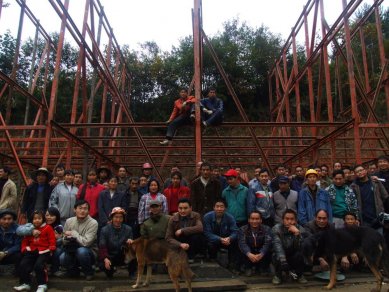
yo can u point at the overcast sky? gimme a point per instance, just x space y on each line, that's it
165 22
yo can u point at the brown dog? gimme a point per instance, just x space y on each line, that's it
156 251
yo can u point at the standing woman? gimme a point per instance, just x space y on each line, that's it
174 192
90 192
153 194
110 199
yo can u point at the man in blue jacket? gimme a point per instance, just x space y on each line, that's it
312 198
9 241
220 231
211 109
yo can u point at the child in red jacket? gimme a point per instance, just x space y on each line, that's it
36 252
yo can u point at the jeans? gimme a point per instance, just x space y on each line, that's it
83 257
55 260
214 119
233 251
175 124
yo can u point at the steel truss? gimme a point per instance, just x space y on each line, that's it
322 109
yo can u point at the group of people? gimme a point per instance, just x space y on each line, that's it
244 225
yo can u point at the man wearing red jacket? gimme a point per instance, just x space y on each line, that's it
180 115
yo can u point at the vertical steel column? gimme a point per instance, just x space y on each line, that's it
197 42
54 88
382 53
353 93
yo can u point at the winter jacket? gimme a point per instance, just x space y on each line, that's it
306 208
203 197
9 240
380 196
259 241
178 109
44 243
155 227
260 201
106 204
64 199
84 231
183 192
297 183
350 198
112 240
281 204
238 201
227 227
92 197
214 104
286 243
30 196
144 206
194 225
9 196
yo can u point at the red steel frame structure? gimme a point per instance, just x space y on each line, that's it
352 131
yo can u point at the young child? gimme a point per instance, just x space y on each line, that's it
36 252
350 221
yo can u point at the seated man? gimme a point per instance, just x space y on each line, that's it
179 116
156 225
287 240
221 231
350 221
113 238
80 248
320 223
185 230
9 241
255 240
211 109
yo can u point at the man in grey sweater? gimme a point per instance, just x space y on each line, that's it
80 247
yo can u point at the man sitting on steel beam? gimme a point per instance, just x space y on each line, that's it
211 109
180 115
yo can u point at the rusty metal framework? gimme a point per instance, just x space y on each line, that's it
323 100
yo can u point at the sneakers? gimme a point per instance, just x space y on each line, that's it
205 124
276 280
302 280
192 118
23 287
164 142
42 288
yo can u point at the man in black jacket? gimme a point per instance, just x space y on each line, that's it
204 190
36 196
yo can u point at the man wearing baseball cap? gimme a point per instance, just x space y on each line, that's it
237 198
312 198
156 225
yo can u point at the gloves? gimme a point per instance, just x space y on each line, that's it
207 111
284 266
2 255
184 104
167 122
